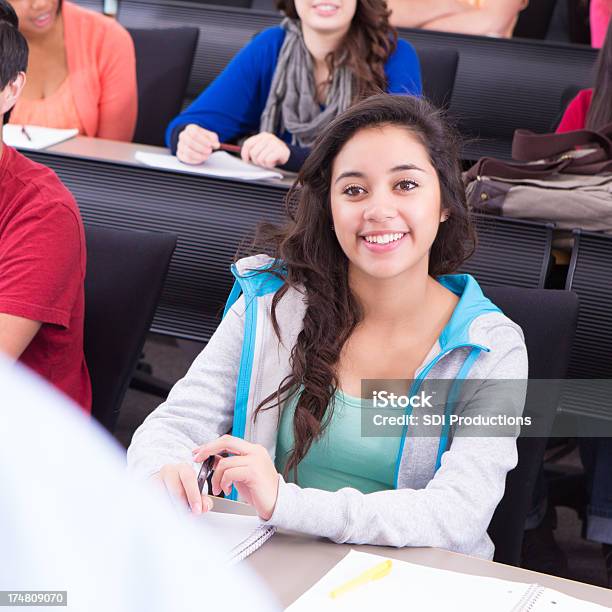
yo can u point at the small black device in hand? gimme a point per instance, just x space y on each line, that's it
205 471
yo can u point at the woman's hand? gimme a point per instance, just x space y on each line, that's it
249 468
181 483
265 150
195 144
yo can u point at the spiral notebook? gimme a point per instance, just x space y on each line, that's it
417 587
241 535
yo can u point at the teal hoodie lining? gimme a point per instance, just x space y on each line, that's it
252 285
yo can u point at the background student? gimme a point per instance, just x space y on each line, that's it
484 17
81 525
359 289
291 81
599 17
592 108
81 73
42 249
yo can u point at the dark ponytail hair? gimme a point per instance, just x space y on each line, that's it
13 46
600 111
366 47
308 255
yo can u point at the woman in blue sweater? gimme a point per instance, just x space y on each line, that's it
292 80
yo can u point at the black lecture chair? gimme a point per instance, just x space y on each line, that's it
548 319
438 72
163 64
510 252
534 20
125 275
590 277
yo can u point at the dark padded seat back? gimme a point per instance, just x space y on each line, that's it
163 64
125 275
548 320
438 72
510 252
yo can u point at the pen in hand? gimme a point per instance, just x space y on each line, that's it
230 148
25 133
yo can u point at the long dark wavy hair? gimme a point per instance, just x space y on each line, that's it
600 111
366 47
307 254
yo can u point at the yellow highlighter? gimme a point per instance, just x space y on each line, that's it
374 573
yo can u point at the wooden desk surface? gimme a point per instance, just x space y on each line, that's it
124 152
290 563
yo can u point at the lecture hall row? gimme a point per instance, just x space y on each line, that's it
379 256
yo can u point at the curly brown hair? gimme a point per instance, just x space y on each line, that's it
308 256
366 47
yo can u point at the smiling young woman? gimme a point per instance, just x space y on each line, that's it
81 73
290 81
358 285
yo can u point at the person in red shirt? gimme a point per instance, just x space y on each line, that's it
592 108
42 249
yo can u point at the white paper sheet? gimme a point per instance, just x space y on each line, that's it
41 137
415 587
220 164
241 535
231 528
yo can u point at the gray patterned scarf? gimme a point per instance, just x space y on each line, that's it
292 103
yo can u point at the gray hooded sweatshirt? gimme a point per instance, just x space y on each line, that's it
441 499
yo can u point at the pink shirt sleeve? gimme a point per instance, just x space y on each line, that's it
574 117
601 10
118 105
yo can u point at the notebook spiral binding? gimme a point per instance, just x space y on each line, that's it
249 546
529 599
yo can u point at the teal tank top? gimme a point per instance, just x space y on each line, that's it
341 457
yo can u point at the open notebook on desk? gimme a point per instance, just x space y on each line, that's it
220 164
34 137
407 586
240 534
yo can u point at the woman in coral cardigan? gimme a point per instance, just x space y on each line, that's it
81 73
480 17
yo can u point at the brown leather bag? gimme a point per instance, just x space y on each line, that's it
561 178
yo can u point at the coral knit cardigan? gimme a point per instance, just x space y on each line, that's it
102 71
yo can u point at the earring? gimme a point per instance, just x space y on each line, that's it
444 218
